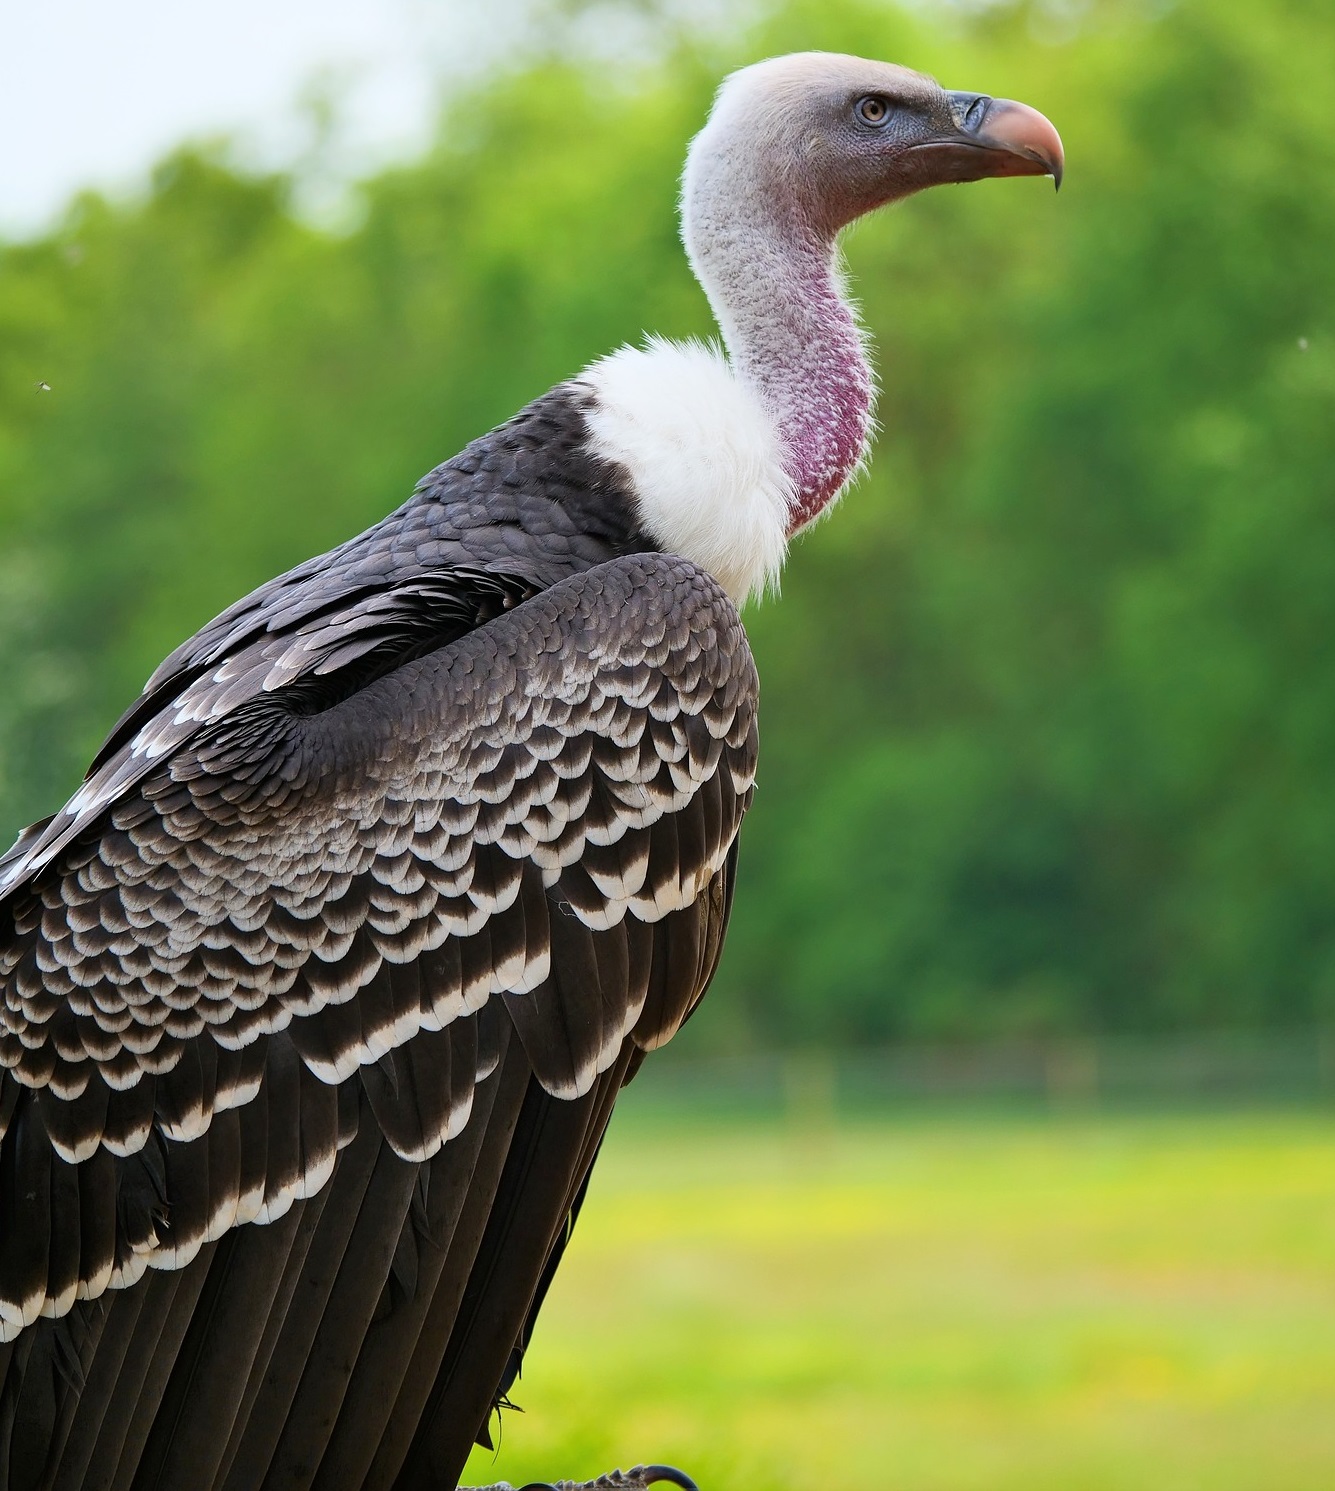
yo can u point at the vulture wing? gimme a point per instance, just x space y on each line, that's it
356 937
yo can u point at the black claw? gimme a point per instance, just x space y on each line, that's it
651 1474
635 1478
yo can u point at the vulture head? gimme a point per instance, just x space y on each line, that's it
819 140
730 458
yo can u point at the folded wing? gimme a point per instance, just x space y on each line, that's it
407 905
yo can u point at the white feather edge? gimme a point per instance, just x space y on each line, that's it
261 1208
705 458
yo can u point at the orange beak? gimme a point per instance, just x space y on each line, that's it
1025 143
991 137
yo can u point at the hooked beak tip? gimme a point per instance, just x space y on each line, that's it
1025 134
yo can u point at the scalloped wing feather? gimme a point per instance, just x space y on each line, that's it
524 824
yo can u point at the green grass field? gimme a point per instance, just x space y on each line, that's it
936 1304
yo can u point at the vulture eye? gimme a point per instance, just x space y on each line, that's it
873 109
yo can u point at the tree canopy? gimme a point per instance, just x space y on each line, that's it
1075 768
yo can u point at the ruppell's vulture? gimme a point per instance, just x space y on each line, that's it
318 993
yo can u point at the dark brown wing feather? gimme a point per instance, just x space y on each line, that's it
371 974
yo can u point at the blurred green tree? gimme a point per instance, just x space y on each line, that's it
1049 722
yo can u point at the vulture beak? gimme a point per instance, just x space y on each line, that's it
993 137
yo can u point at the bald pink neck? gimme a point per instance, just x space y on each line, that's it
804 355
792 336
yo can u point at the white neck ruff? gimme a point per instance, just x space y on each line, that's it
705 458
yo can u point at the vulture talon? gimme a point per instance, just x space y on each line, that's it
653 1474
637 1478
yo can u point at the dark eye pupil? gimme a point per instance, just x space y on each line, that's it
872 110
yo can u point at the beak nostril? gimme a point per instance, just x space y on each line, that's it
976 112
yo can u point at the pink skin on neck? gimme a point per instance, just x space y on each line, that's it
799 347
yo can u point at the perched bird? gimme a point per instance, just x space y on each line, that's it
318 993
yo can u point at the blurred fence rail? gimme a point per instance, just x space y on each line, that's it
1063 1075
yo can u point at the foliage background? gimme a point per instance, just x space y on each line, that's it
1049 720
